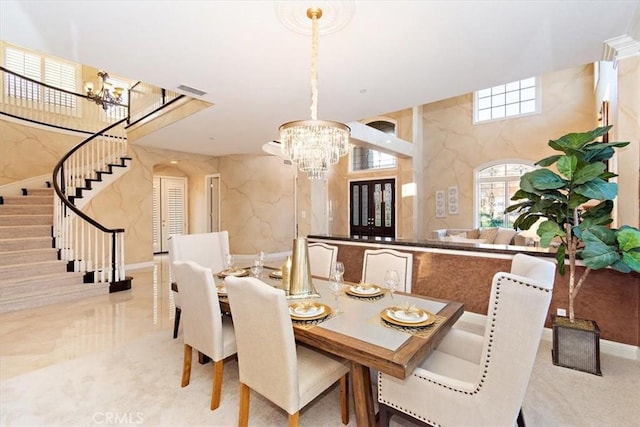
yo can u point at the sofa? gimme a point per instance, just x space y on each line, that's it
490 235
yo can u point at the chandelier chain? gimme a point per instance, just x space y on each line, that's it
314 68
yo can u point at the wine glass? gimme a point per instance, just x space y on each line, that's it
338 271
336 287
391 281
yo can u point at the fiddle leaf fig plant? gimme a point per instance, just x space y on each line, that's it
574 203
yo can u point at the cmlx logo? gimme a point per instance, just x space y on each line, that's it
117 418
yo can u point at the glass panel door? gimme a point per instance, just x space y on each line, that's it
373 208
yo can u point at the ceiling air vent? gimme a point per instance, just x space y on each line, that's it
191 90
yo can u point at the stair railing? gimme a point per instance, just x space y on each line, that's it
88 246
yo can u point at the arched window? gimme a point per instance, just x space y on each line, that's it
363 158
495 184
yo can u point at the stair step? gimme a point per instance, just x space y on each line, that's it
40 191
19 231
9 245
28 200
32 255
18 271
39 282
26 209
48 296
26 220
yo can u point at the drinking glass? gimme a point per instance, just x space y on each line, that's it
256 268
228 262
391 281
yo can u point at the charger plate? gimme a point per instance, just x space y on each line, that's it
386 316
370 292
313 312
276 274
241 272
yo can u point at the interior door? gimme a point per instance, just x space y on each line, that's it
169 210
373 211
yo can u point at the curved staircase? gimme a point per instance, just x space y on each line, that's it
31 273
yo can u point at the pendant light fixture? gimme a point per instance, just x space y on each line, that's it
314 145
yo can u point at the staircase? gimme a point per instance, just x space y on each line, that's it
31 274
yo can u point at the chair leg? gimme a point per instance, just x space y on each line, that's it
294 419
243 416
217 384
176 322
344 398
383 415
186 366
520 419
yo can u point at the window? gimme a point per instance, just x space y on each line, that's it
363 158
43 69
495 185
505 101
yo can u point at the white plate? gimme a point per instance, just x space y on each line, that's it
302 311
407 317
365 290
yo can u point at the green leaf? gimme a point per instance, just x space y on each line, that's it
528 221
628 238
600 145
521 194
547 231
604 208
598 155
576 200
598 189
604 234
567 166
544 179
621 266
632 259
578 140
548 161
588 172
597 254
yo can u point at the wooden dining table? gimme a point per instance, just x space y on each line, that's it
358 334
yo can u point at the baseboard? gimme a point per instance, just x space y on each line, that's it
139 266
613 348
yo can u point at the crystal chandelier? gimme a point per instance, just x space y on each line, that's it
105 97
314 144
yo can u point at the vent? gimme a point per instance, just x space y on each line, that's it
191 90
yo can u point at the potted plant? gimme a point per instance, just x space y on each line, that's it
574 205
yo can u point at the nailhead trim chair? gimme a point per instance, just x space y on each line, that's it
471 380
205 329
269 361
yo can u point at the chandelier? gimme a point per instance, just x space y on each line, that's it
108 95
314 144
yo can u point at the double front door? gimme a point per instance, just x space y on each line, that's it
373 212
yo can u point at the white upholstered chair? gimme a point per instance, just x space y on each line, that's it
377 261
207 249
322 258
205 329
269 361
471 379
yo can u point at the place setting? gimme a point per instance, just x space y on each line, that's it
365 291
410 318
231 269
309 313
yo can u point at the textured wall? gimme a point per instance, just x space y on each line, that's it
454 146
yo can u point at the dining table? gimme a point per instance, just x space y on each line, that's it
359 333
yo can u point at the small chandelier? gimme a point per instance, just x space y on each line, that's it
105 97
314 144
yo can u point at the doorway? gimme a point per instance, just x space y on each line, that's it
373 208
169 210
212 189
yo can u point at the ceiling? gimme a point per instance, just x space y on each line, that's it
390 55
